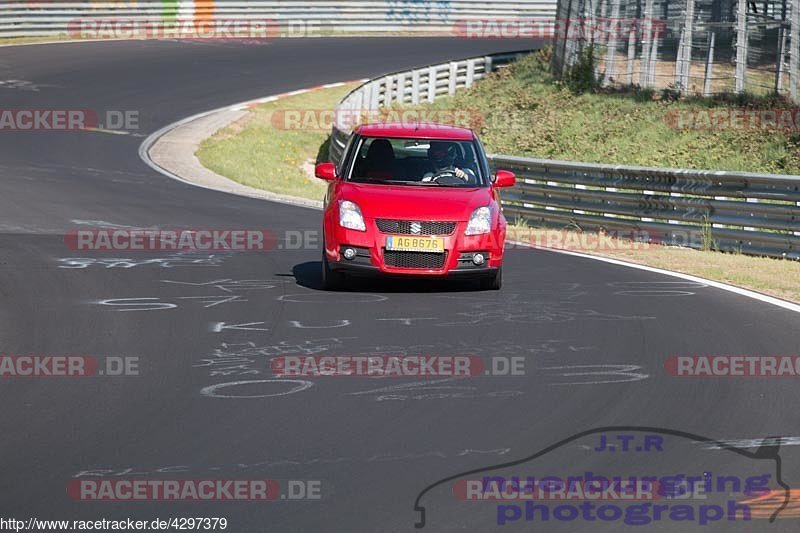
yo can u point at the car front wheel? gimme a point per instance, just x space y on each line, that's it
493 282
331 280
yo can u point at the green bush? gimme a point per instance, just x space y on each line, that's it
582 76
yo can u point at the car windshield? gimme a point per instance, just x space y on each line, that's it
420 162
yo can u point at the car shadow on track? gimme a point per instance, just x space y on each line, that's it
309 275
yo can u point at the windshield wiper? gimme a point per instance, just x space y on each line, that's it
409 183
390 182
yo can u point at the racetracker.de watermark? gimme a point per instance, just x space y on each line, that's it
225 29
37 366
732 119
325 119
146 240
248 490
396 366
573 29
580 241
67 120
586 488
733 366
605 241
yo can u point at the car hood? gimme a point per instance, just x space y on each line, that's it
416 203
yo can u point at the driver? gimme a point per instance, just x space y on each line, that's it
442 156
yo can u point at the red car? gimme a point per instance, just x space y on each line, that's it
413 200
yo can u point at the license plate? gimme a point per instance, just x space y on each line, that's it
414 244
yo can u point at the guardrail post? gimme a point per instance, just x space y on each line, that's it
470 73
374 95
779 63
741 45
382 89
570 36
679 60
611 50
594 38
401 88
647 45
478 75
709 64
415 87
431 84
687 45
797 233
488 65
451 79
651 70
753 201
794 50
631 55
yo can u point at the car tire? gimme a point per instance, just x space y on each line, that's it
493 282
331 280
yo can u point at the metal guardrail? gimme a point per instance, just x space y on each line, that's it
750 213
756 214
412 87
24 18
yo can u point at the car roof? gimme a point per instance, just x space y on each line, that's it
415 130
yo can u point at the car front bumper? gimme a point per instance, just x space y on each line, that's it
456 261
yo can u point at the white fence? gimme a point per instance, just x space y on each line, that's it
21 18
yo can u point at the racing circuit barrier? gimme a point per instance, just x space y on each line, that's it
749 213
756 214
24 18
412 87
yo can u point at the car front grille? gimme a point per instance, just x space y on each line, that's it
422 260
404 227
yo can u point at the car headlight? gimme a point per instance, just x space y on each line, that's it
350 216
480 221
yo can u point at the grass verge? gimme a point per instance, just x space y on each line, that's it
34 40
269 150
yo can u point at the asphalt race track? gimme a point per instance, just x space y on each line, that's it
594 336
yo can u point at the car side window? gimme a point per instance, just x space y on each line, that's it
469 160
480 155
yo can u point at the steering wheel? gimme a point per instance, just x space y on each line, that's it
447 177
444 174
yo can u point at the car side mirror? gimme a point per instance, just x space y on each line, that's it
325 171
504 178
